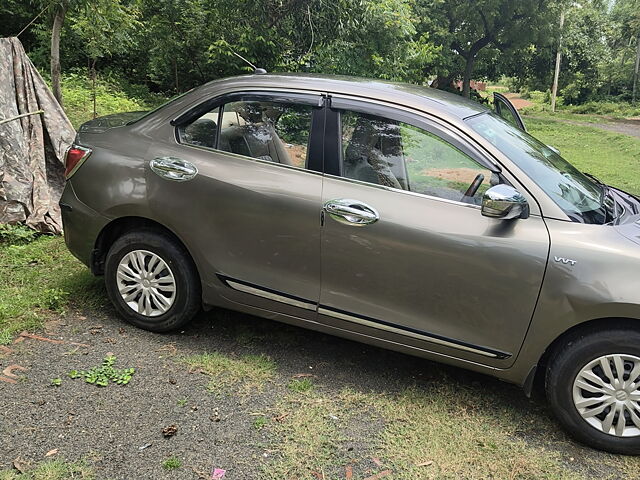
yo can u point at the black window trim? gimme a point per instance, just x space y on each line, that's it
315 146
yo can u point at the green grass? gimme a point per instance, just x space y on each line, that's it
54 470
441 430
614 158
302 385
251 372
172 463
39 279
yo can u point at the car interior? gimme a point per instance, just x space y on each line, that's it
247 128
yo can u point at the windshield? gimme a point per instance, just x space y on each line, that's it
580 197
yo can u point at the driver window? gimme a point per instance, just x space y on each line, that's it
395 154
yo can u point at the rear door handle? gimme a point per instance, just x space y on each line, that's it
351 212
173 168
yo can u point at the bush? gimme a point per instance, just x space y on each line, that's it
113 95
16 234
613 109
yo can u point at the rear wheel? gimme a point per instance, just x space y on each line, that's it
152 281
593 385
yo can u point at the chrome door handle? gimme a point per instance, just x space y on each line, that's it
351 212
173 168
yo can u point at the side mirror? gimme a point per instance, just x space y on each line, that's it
505 202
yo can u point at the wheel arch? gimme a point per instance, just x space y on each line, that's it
535 379
119 227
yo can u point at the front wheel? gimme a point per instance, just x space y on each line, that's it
152 281
593 385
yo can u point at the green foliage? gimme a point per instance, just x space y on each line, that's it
36 277
105 26
56 382
16 234
172 463
105 373
113 95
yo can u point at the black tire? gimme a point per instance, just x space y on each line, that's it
188 297
564 366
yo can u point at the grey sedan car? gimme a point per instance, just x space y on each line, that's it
396 215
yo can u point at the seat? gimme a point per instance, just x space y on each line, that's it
364 157
256 138
201 132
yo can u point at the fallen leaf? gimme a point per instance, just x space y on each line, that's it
169 431
19 465
424 464
384 473
8 372
349 473
51 452
24 335
377 461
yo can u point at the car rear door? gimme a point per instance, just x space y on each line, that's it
251 211
406 253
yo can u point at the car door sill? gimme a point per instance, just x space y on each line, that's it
287 299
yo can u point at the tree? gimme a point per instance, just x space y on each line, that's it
464 28
106 27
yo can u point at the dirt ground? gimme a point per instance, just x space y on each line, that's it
118 429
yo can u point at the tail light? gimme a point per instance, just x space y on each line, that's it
76 155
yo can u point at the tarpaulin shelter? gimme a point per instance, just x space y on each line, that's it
32 147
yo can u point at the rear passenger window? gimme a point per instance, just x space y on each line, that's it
203 131
386 152
272 131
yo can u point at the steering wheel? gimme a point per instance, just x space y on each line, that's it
475 185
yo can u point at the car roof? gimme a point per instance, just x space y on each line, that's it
414 96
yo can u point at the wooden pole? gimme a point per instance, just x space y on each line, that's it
635 72
556 73
7 120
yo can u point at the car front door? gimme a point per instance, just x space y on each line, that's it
508 111
251 209
406 253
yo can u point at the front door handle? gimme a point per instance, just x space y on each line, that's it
173 168
351 212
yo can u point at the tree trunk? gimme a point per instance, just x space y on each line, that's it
175 74
93 87
56 30
468 70
556 72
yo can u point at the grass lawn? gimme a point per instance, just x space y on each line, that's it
613 158
40 279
